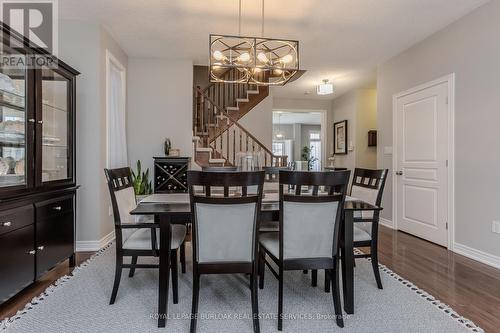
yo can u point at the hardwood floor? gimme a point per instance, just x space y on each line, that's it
469 287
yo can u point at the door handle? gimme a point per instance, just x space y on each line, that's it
399 173
6 224
41 247
32 252
57 208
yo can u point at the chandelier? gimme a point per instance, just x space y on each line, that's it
257 60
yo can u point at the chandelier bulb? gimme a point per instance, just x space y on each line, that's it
262 57
287 59
244 57
218 55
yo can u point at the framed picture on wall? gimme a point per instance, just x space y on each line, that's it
340 137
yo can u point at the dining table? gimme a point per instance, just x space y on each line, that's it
174 208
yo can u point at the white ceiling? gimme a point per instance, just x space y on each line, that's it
309 118
341 40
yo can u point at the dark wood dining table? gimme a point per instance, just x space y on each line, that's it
179 211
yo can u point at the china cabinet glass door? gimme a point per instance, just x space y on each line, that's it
56 154
14 125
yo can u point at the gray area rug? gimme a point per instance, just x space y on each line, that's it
79 303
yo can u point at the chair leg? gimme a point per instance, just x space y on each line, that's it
314 277
173 268
376 272
183 257
255 303
194 302
118 276
280 299
334 274
327 281
262 269
132 269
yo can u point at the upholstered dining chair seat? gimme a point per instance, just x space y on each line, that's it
140 239
361 235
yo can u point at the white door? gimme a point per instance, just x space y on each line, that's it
422 161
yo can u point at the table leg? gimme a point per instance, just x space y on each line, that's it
164 269
348 263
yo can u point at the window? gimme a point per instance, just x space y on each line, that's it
116 145
315 144
314 136
278 148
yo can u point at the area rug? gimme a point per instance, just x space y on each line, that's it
80 303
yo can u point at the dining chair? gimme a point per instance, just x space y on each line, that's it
225 229
308 236
136 236
367 185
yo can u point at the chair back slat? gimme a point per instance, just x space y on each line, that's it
225 222
310 220
123 200
368 185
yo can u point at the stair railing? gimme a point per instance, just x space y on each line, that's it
229 137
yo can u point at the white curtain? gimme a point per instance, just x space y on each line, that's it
117 136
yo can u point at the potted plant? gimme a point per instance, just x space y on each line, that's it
141 182
306 156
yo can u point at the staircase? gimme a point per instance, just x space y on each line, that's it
218 136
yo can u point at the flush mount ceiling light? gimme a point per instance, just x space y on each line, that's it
325 88
258 60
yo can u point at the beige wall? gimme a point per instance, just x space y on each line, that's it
470 49
259 121
159 106
359 108
366 157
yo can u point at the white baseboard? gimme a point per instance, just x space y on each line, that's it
478 255
95 245
386 223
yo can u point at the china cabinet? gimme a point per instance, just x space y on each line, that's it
37 163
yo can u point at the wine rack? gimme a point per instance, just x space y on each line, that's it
170 174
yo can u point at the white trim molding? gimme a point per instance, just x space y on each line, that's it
95 245
386 223
478 255
450 80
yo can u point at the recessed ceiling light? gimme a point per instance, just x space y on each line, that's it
326 88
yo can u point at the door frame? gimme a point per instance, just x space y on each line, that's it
450 80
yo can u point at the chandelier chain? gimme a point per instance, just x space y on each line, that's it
262 28
239 18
